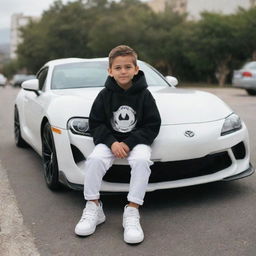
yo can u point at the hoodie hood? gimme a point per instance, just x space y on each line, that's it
138 84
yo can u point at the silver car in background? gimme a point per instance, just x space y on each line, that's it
246 78
18 79
3 80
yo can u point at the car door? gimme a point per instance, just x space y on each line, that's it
34 110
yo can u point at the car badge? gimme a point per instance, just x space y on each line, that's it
189 134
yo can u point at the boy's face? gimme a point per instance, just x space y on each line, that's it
123 70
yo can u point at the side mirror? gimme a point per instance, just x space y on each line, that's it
172 80
31 85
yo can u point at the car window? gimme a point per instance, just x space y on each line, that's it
250 65
94 74
41 76
153 77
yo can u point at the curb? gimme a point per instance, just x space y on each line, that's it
15 238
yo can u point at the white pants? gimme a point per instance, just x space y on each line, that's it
102 158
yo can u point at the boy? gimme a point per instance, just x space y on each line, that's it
124 121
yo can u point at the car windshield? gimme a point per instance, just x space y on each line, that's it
94 74
250 65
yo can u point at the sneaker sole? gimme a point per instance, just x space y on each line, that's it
131 241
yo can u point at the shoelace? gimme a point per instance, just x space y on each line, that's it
132 221
89 214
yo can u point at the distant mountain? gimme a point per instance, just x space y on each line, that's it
4 36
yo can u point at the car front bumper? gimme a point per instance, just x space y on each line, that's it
171 146
246 173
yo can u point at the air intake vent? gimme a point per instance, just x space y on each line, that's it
77 154
175 170
239 151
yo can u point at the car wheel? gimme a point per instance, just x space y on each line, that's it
19 141
50 163
251 91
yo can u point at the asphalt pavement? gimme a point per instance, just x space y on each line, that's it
205 220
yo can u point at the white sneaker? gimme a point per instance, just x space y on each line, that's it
133 232
92 216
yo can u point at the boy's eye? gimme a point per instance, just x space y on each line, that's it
128 67
125 67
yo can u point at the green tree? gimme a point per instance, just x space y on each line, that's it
32 53
62 32
246 21
162 40
124 22
206 50
11 67
215 46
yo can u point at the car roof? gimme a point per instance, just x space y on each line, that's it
76 60
73 60
250 65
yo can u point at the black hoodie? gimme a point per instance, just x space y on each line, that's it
130 116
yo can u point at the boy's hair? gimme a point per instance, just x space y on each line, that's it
122 50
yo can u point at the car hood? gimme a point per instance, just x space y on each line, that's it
176 106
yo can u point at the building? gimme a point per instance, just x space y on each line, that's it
18 20
195 7
179 6
157 5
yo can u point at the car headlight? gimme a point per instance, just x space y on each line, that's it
232 123
79 126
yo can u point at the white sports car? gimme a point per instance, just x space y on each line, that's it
201 139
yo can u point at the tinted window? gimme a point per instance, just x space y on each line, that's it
42 77
94 74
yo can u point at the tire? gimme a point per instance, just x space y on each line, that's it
19 141
50 161
251 91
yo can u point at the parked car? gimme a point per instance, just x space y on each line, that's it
246 78
201 139
18 79
3 80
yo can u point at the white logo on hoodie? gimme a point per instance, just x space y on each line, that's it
123 119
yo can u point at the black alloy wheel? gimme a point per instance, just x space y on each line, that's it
19 141
50 162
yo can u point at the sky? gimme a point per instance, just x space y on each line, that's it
27 7
221 6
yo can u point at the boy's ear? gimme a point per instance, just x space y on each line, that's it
137 68
110 72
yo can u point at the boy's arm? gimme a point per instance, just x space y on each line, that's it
97 124
146 133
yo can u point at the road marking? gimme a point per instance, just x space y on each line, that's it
15 238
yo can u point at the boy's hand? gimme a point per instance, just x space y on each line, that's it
118 150
125 147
